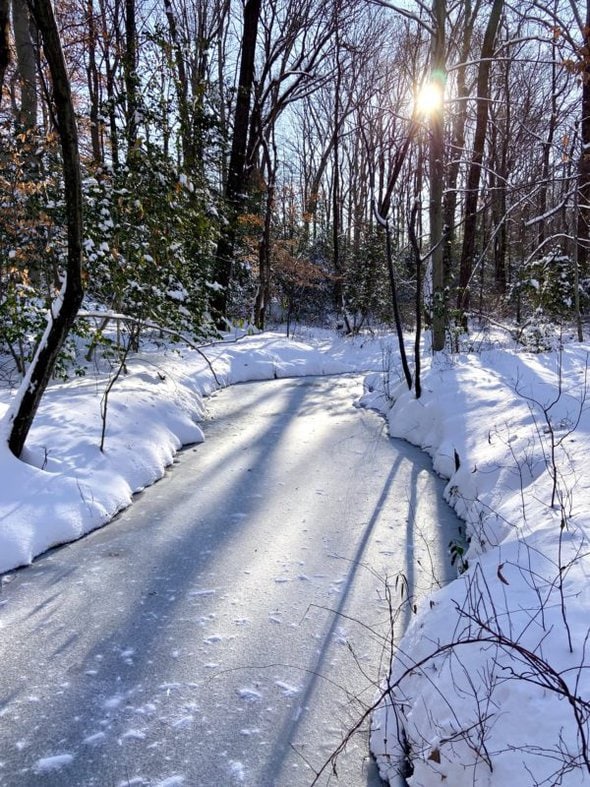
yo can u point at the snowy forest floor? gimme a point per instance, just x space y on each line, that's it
490 684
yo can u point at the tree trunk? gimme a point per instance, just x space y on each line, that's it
26 62
4 41
181 85
457 144
437 170
93 86
235 186
474 173
338 293
130 73
583 230
262 301
20 415
110 66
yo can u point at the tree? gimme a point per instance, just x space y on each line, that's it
475 166
64 309
437 164
131 78
26 61
583 229
4 41
234 186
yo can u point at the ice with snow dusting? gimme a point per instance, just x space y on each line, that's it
54 763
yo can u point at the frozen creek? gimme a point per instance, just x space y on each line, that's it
231 625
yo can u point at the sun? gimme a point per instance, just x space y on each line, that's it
429 98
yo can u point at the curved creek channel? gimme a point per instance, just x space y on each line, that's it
231 625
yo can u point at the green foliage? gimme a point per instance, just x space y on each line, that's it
31 239
366 289
547 285
149 234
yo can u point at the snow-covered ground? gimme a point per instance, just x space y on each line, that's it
489 683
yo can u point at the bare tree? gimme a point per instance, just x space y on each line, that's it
437 152
131 77
583 230
237 163
26 62
4 41
475 166
63 311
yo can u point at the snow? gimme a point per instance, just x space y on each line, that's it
53 763
489 682
496 680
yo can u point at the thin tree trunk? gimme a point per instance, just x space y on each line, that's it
19 418
457 144
110 69
499 195
437 169
4 42
265 247
338 294
131 80
26 62
93 85
584 163
474 173
181 83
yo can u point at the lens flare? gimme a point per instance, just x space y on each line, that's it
429 98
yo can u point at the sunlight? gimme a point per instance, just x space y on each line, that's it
429 98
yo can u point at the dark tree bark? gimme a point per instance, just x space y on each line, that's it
235 185
474 173
501 119
93 85
457 142
437 170
65 308
583 230
130 73
4 41
26 63
338 294
181 85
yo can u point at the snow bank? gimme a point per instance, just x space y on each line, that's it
490 684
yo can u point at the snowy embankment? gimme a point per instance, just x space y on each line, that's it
491 684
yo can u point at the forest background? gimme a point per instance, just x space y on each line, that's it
333 162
